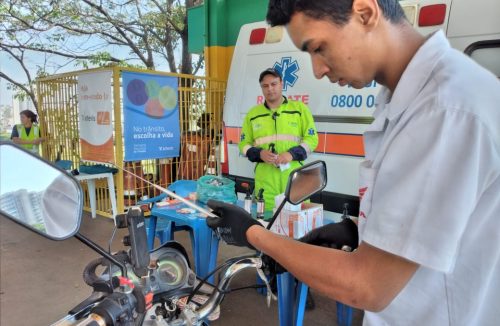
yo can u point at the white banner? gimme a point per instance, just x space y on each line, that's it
95 111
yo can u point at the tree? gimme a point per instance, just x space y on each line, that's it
89 33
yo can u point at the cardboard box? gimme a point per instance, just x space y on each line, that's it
296 224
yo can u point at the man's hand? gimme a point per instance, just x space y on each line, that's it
268 156
334 235
284 158
232 223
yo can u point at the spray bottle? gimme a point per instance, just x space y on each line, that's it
260 203
248 198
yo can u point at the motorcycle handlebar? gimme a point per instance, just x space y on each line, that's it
190 315
227 275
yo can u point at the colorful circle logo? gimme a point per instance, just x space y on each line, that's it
158 101
136 92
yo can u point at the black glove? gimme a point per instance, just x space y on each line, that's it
334 235
232 222
271 266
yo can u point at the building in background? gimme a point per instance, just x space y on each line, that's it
24 205
6 119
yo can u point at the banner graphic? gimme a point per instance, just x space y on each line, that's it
95 109
151 116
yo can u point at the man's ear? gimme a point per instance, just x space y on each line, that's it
366 12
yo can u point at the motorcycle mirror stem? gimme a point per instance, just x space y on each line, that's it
94 246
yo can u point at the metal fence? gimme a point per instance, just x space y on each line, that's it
200 114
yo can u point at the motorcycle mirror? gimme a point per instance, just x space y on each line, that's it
306 181
303 183
37 194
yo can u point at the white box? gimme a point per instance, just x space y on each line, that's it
296 224
290 207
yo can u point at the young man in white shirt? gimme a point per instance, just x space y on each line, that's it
429 240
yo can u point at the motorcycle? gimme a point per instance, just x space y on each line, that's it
134 286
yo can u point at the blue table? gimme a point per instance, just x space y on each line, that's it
204 242
292 295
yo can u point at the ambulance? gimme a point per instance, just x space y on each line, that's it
341 114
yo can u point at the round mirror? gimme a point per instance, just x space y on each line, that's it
38 195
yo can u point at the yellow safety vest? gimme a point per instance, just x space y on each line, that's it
34 134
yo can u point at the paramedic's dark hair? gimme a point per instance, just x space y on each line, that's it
279 12
269 71
30 115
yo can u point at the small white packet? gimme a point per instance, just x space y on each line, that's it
284 167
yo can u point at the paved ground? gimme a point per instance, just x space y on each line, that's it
41 279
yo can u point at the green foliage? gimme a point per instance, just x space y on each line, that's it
87 33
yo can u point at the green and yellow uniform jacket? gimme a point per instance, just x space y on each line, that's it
288 128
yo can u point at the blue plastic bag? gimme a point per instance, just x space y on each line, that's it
217 188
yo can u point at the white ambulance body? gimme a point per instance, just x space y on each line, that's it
341 113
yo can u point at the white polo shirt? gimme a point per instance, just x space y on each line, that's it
430 189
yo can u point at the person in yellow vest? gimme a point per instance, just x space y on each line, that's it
27 133
277 135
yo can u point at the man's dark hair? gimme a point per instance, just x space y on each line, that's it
339 12
269 71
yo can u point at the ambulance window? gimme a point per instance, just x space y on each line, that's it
487 54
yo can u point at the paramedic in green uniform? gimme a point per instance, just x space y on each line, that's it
277 135
27 133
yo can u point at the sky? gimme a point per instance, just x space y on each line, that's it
8 68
